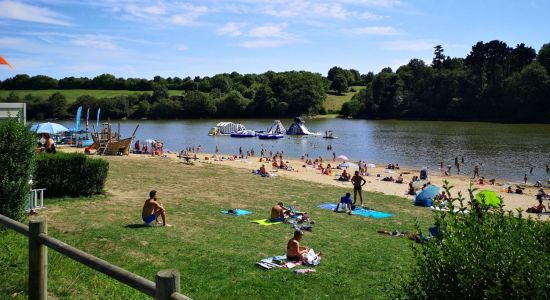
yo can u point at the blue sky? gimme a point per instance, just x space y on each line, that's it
142 38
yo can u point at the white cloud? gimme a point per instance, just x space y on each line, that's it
264 43
231 29
181 47
161 12
269 30
380 3
94 42
264 36
411 45
304 9
30 13
375 30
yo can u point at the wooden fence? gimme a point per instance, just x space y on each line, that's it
165 287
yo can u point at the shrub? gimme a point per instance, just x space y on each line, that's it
485 254
17 145
70 174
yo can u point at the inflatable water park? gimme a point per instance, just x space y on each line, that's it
276 131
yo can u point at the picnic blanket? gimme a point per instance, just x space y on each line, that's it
238 212
265 222
278 261
359 211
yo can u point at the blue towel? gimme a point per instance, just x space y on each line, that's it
359 211
240 212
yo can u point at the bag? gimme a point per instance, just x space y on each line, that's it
311 259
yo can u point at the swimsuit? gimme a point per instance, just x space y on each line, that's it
357 187
278 219
148 220
293 258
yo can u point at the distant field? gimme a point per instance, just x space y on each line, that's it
334 102
71 95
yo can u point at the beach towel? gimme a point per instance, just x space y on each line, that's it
278 261
359 211
239 212
265 222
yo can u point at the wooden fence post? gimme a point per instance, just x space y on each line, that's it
38 262
167 282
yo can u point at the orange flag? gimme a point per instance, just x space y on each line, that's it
5 62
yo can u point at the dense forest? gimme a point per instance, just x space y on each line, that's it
494 82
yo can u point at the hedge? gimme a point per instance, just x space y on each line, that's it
70 174
17 145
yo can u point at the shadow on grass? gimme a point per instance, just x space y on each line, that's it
135 226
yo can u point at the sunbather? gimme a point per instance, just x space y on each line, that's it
279 213
537 209
295 252
263 171
152 209
344 177
345 201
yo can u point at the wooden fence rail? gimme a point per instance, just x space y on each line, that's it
165 287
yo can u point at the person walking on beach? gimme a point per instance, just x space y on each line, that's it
457 168
358 183
152 209
476 171
217 150
525 178
333 156
547 169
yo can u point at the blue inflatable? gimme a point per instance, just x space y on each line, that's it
425 197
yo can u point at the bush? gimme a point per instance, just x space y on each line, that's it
17 145
70 174
485 254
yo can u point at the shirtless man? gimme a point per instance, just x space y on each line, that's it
295 252
278 213
537 209
152 209
357 182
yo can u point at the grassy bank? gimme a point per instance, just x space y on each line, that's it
215 253
72 95
335 101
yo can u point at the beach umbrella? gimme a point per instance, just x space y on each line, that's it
50 128
342 157
149 141
348 165
425 197
491 198
371 165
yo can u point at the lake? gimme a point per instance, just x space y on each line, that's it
503 150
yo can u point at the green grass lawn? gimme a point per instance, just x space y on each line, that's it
334 101
215 253
71 95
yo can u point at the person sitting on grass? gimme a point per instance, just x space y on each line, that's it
537 209
295 252
346 202
279 213
263 171
152 209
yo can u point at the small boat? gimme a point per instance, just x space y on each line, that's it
244 134
329 135
270 136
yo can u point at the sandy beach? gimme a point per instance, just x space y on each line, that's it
374 183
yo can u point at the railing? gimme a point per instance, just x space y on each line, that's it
165 287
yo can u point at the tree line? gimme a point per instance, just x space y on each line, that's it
284 94
494 82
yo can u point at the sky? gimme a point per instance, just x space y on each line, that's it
143 38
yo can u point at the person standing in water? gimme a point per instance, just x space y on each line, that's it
476 171
358 183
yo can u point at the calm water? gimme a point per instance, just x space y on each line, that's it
504 150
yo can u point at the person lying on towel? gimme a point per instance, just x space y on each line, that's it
295 252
